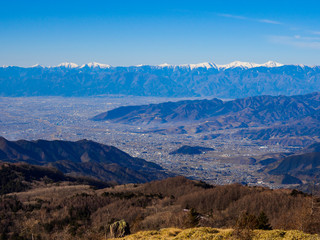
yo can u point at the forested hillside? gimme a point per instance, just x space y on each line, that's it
60 210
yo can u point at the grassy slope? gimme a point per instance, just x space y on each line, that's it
204 233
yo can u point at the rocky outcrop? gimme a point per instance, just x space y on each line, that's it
119 229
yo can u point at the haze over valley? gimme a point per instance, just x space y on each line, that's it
235 157
159 120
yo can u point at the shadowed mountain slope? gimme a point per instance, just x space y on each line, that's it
84 157
304 164
17 177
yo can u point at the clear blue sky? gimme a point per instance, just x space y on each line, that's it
153 32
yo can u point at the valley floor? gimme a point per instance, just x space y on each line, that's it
60 118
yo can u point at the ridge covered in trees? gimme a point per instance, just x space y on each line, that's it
80 212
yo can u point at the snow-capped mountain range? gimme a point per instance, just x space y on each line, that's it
74 65
235 64
233 80
205 65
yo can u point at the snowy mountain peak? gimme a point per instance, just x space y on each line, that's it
95 65
271 64
206 65
68 65
247 65
165 65
37 66
237 64
300 65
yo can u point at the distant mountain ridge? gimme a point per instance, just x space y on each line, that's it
292 120
82 158
262 110
304 165
234 80
207 65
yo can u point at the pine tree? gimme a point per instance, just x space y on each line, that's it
193 218
263 222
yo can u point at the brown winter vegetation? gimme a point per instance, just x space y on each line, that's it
62 211
206 233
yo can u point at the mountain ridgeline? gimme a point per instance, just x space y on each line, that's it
251 111
19 177
286 120
230 81
82 158
304 165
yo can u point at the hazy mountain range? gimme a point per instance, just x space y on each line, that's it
237 79
258 118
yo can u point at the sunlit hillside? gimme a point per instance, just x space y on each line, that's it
205 233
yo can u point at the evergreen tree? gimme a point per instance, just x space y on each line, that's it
263 222
193 218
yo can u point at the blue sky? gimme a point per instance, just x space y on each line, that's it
122 33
